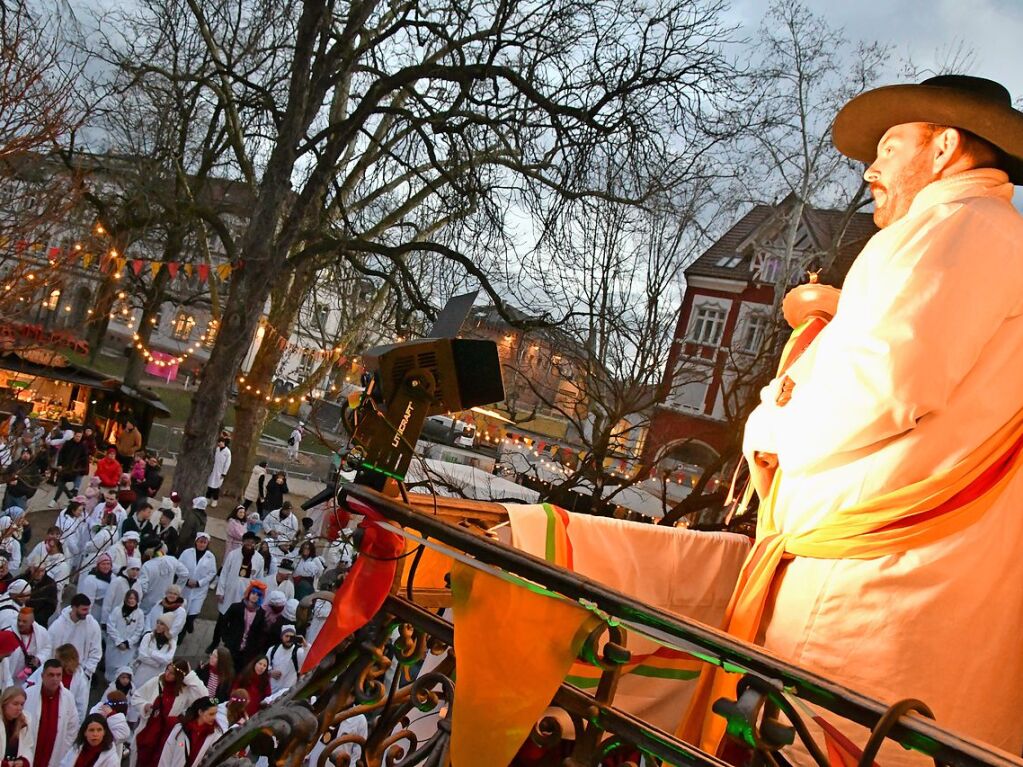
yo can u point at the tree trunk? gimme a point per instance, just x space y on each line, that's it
251 410
150 308
96 329
250 288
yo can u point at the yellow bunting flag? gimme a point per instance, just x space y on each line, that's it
513 647
188 270
87 260
223 271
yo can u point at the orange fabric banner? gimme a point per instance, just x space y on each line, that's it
513 648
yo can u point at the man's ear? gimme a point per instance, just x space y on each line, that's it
948 146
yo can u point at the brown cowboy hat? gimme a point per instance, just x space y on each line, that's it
980 106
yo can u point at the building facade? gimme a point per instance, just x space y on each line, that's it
730 332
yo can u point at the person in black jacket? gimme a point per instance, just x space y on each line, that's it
244 638
150 485
23 479
166 531
140 522
276 489
72 465
44 594
218 674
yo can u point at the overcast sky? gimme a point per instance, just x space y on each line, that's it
927 29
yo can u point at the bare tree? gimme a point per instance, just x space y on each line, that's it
380 118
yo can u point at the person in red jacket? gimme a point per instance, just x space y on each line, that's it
109 470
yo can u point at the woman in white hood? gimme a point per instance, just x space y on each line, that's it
156 650
125 627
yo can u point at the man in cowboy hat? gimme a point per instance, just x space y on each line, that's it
892 531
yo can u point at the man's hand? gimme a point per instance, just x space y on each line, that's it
192 583
785 392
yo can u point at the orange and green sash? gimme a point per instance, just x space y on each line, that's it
938 506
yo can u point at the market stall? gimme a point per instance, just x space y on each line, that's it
47 386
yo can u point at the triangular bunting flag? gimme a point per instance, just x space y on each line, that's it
86 260
136 266
204 272
224 271
119 264
53 253
154 268
188 270
172 269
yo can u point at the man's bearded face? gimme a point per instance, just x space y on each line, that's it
903 167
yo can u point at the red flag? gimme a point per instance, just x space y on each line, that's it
204 272
363 591
842 752
172 269
136 266
53 253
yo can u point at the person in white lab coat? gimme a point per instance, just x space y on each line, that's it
94 737
157 574
12 708
125 627
202 569
156 650
199 726
221 465
77 627
53 715
286 659
35 646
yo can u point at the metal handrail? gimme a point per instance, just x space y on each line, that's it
710 644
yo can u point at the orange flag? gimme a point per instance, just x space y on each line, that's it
513 648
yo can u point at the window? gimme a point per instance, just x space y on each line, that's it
770 272
754 330
691 395
729 262
210 336
183 324
708 325
51 302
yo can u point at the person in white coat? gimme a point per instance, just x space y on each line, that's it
286 659
114 706
155 721
282 522
95 582
254 488
10 543
94 737
51 710
125 549
173 605
12 708
126 580
199 726
157 574
156 650
71 667
11 602
125 627
202 569
35 646
123 684
77 627
221 465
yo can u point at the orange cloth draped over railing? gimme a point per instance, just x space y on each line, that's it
919 514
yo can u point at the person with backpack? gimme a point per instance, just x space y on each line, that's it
286 659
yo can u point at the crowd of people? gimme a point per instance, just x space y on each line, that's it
95 610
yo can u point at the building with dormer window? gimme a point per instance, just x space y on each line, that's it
728 334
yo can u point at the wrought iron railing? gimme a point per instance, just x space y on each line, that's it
367 677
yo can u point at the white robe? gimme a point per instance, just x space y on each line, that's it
79 689
84 634
114 599
179 613
109 758
119 630
920 365
176 750
26 740
118 724
156 575
202 572
95 588
231 586
38 644
286 660
119 557
151 660
286 528
67 721
221 465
